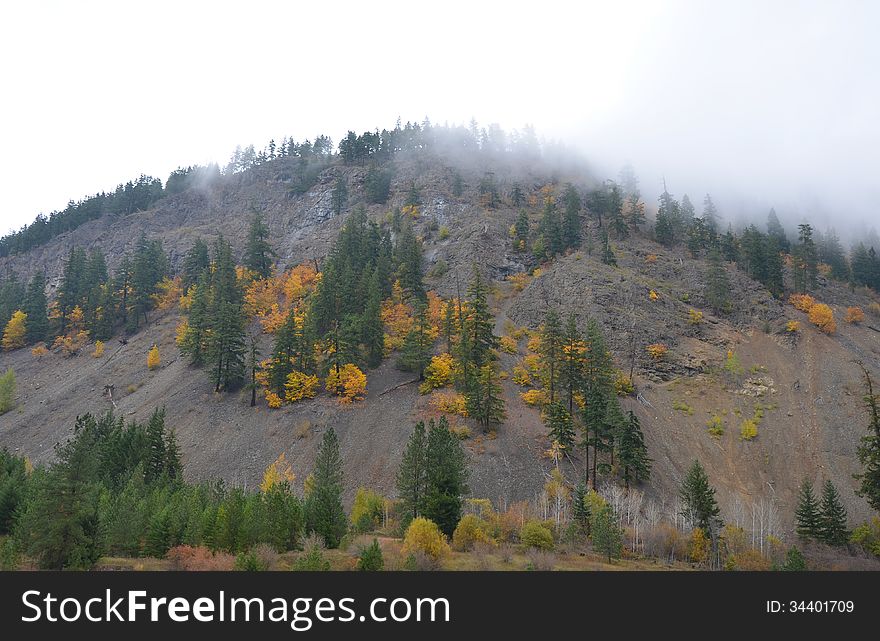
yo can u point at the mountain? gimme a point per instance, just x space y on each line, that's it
734 369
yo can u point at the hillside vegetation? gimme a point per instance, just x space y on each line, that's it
576 341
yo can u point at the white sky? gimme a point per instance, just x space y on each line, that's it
755 102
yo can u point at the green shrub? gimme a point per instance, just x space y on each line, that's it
535 534
370 559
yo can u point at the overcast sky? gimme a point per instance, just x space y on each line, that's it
756 102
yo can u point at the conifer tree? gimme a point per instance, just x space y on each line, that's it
717 285
478 338
580 508
832 516
551 350
698 499
35 307
225 347
408 258
339 198
259 253
195 338
572 361
807 513
606 533
571 221
324 512
774 281
483 399
598 388
446 476
869 448
412 474
551 229
635 211
632 453
253 367
373 330
195 263
417 345
775 229
559 424
806 261
156 459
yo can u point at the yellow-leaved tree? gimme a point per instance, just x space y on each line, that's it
14 334
423 536
153 357
99 349
348 382
300 386
278 472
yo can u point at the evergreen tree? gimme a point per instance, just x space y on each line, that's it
632 453
122 280
154 467
339 198
195 263
551 350
483 399
559 424
832 517
259 253
869 448
408 259
598 389
412 480
571 221
60 527
253 366
551 228
71 289
324 512
698 499
774 281
580 508
730 246
198 323
572 361
446 476
373 329
806 261
606 533
149 267
807 513
775 229
668 217
417 345
635 211
710 218
225 347
35 308
717 285
478 338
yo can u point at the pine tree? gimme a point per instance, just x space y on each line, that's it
412 478
483 399
775 229
373 330
148 268
572 361
632 453
339 198
195 263
408 258
559 424
774 282
832 517
869 448
717 285
35 307
226 347
807 513
806 261
195 338
324 512
580 508
446 476
551 229
551 350
571 221
259 253
598 388
156 455
698 499
253 366
417 345
478 337
606 533
635 211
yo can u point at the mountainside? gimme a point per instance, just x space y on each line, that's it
801 389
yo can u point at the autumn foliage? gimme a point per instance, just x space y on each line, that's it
14 334
423 536
348 382
153 358
854 315
300 386
822 317
657 350
438 373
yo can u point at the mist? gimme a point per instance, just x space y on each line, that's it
760 104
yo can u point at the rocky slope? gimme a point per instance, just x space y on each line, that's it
807 391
